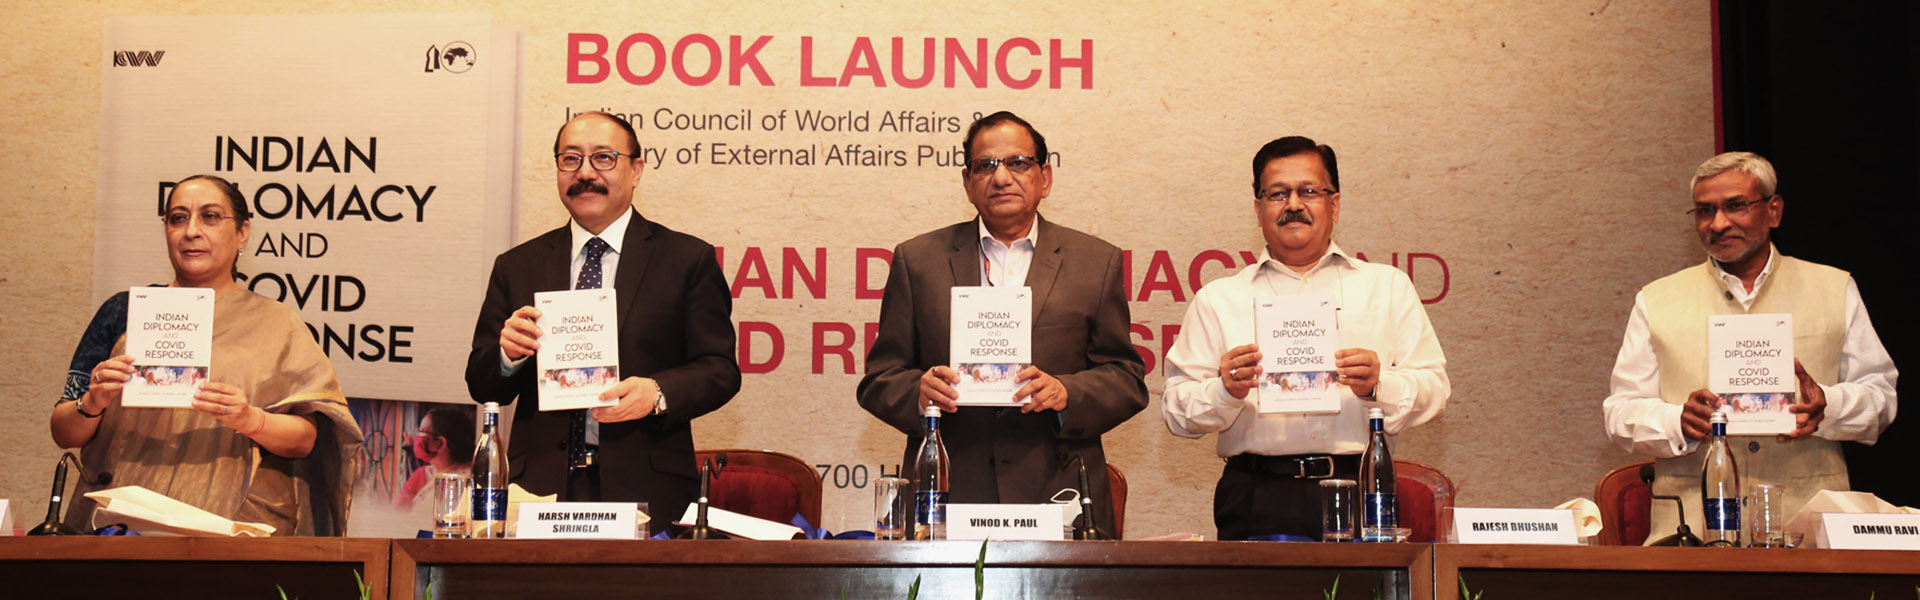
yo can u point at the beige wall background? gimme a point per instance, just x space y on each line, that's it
1540 149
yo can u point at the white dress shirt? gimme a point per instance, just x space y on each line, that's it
1377 308
1010 261
1859 406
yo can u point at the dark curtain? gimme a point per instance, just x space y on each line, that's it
1830 93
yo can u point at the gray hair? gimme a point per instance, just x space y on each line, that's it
1744 162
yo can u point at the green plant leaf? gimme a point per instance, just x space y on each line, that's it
979 573
283 591
1330 593
914 591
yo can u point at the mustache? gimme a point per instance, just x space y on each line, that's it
584 186
1294 216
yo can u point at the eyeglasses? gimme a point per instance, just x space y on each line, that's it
1733 208
176 220
603 160
1018 165
1308 195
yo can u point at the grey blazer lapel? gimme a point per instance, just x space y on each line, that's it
1046 263
964 255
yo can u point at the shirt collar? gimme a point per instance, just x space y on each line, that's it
1335 256
1033 233
1733 281
614 235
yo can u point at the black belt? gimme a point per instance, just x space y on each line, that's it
588 457
1297 466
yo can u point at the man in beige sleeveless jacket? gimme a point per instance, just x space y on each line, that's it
1658 406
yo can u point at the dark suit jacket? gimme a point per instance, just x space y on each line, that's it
675 327
1080 335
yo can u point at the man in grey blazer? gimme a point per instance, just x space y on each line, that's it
1086 377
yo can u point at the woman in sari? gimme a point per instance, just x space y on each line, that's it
268 439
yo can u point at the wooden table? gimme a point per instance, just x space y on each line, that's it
1577 572
324 568
153 568
863 569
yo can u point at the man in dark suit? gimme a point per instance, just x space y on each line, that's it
676 335
1085 378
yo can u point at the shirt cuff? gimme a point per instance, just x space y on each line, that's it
509 366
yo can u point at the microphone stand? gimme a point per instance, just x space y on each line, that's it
54 525
1682 536
1084 527
701 530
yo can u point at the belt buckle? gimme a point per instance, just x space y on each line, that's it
587 458
1304 474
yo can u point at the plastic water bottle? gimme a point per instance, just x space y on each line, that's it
1720 488
930 482
490 477
1377 498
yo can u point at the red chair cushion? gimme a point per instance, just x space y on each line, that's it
756 491
1416 509
1635 513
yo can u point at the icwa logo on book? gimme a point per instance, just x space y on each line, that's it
137 58
454 57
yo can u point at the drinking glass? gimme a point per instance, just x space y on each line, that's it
892 503
1339 509
1767 511
451 494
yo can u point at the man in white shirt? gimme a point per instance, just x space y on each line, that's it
1658 407
1391 358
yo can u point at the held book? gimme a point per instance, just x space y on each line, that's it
170 336
1750 367
579 347
991 342
1297 341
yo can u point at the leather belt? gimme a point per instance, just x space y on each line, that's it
589 457
1297 466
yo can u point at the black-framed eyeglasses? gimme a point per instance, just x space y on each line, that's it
1733 208
1308 194
1018 165
178 219
603 160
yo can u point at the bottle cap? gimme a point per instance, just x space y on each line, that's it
491 407
930 411
1719 416
1375 413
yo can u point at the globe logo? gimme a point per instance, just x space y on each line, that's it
458 57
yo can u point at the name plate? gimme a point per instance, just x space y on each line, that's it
1005 522
574 520
1515 526
1870 532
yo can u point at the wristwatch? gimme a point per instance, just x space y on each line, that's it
659 401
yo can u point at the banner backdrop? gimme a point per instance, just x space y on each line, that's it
376 154
1524 163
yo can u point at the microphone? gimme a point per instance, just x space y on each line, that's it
708 473
1084 527
1682 536
53 525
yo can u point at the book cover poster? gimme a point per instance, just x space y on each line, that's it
1750 366
992 341
579 347
170 336
1298 337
